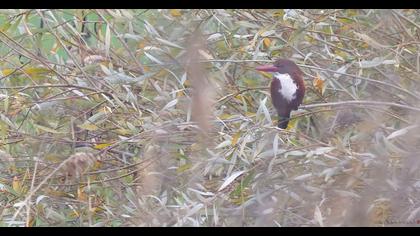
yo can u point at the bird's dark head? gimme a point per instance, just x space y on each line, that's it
282 66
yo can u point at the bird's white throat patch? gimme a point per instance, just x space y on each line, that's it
288 86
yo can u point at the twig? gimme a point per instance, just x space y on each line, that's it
26 53
361 102
405 18
363 78
122 42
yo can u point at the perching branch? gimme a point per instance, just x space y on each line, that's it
361 102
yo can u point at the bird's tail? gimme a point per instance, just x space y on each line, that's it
283 121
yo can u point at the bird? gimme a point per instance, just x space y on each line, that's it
287 88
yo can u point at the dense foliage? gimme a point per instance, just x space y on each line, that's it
158 118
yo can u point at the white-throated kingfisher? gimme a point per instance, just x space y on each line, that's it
287 88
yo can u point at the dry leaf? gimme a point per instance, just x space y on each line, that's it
81 195
107 40
318 216
170 104
319 84
230 179
267 42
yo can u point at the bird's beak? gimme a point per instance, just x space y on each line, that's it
267 68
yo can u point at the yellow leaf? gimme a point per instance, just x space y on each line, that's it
351 12
342 54
102 145
249 114
35 71
96 166
309 39
225 116
267 42
239 96
123 131
279 13
175 12
292 124
74 213
7 72
345 20
235 138
16 184
88 126
266 74
183 168
249 100
55 193
31 71
251 82
95 209
53 157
